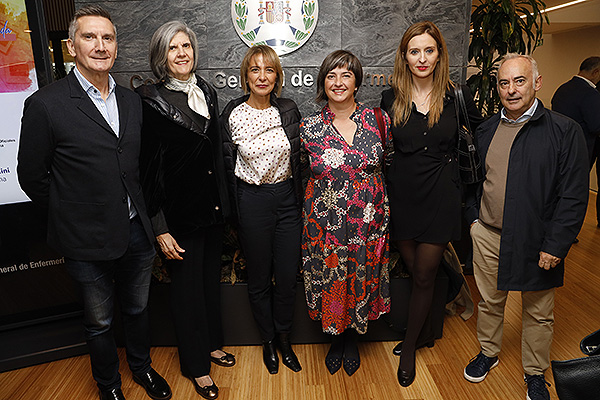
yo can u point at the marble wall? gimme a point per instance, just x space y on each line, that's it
370 29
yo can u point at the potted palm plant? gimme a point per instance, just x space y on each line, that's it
499 27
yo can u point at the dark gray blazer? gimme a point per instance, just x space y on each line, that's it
72 163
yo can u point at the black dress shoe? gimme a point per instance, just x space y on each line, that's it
155 385
288 357
209 392
228 360
113 394
406 378
270 357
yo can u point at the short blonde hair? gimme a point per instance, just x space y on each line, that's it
270 58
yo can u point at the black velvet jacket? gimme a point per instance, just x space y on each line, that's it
182 170
290 119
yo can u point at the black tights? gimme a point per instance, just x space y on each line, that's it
422 261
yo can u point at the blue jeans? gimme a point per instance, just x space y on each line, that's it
99 281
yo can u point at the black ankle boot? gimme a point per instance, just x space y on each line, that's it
270 357
288 357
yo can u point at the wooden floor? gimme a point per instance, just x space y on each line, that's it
439 369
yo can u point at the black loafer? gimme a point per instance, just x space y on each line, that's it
209 392
228 360
113 394
270 357
155 385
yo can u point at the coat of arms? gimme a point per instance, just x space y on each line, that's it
285 25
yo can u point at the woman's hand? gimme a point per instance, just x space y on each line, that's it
169 246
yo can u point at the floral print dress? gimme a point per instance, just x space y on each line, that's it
345 250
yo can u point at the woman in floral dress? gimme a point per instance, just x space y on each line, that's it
345 249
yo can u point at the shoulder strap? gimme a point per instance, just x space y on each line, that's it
461 111
380 124
462 107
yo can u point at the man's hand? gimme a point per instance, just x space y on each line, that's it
169 246
548 261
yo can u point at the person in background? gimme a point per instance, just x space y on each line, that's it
579 100
524 217
79 158
262 158
345 250
423 180
183 179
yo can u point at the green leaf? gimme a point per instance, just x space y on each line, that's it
300 35
240 10
308 23
241 23
290 44
250 35
309 8
498 29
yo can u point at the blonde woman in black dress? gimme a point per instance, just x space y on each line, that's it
423 180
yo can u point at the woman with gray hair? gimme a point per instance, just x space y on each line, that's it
184 186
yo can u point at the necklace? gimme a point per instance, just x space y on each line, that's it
424 101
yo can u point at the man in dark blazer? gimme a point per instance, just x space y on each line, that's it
579 100
78 157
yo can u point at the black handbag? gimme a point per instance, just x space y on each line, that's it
469 162
579 379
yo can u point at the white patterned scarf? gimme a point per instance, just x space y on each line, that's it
196 98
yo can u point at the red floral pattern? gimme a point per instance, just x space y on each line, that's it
345 251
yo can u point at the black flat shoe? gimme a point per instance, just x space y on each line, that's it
406 378
288 357
398 348
333 359
228 360
155 385
113 394
209 392
351 365
333 362
270 357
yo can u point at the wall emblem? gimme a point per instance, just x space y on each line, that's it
285 25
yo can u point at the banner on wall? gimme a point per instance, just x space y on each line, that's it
33 281
17 81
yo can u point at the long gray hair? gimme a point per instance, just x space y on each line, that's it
159 46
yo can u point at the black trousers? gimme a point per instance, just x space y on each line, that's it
269 232
196 299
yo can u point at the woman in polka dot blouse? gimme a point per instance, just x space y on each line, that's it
262 159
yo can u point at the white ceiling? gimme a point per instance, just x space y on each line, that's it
578 16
